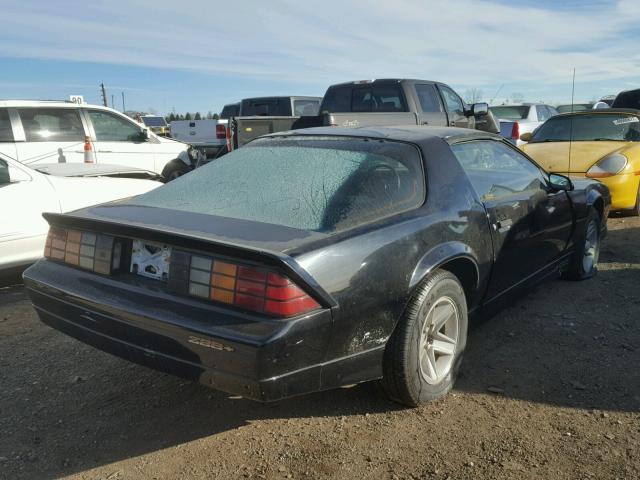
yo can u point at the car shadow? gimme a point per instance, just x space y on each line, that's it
570 344
68 408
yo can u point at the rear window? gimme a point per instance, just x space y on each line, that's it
154 121
364 98
6 133
586 127
52 124
230 111
313 183
266 107
510 112
576 107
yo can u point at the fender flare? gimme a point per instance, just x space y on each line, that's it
440 255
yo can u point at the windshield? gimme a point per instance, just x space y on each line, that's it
513 112
576 107
154 121
312 183
589 127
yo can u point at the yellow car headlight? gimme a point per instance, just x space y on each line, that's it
609 166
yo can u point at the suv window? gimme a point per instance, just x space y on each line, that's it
452 100
266 107
52 124
112 128
497 170
6 133
429 98
306 107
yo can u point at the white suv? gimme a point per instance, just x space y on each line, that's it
35 132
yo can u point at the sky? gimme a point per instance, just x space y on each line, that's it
197 55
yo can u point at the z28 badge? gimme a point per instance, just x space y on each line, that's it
203 342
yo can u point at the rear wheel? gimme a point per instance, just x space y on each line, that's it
584 263
423 355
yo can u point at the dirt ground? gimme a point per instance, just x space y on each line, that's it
550 389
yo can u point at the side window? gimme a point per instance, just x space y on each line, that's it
51 124
452 100
497 171
428 98
6 132
552 111
542 112
306 107
112 128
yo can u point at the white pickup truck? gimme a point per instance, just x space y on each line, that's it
208 136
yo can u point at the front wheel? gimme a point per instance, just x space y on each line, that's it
423 355
584 263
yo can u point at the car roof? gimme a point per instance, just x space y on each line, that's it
51 103
408 133
303 97
524 104
382 80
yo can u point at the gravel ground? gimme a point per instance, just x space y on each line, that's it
550 388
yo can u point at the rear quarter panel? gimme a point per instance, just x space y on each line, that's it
370 271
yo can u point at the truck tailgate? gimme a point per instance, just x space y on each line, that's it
354 120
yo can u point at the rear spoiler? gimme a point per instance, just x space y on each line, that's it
199 244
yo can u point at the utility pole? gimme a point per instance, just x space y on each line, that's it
113 103
103 91
123 108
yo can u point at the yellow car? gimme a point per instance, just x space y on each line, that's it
602 144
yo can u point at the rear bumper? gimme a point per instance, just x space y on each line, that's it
234 352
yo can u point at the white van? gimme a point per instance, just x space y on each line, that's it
35 132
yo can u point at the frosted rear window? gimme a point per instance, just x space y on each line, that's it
312 183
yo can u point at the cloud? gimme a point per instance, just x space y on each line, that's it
467 42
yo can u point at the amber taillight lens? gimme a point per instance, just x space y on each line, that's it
91 251
254 288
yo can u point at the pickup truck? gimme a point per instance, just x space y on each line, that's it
375 102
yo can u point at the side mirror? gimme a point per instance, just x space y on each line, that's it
526 137
143 136
479 109
560 182
5 178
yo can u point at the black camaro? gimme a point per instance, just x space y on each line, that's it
318 258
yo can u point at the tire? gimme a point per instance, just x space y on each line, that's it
174 170
410 374
584 263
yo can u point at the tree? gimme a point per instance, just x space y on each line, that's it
473 95
187 116
209 115
197 116
216 116
172 117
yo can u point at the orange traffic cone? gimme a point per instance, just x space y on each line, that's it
89 156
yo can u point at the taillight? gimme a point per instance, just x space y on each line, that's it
221 131
91 251
249 287
515 131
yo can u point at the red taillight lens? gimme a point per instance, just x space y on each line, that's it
221 131
249 287
515 131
